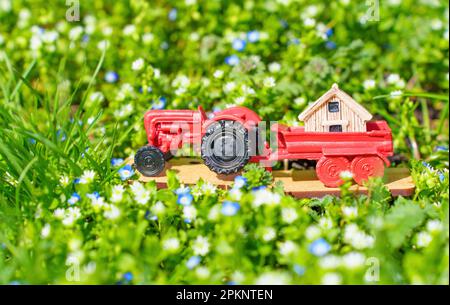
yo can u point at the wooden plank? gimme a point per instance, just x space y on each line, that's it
298 183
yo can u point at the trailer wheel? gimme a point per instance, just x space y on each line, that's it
365 167
149 161
329 169
225 147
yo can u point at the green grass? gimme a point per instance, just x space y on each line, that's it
60 121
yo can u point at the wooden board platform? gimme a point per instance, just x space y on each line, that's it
298 183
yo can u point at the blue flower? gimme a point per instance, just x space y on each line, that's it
182 190
329 32
31 141
299 270
185 199
116 161
441 148
193 261
149 89
239 44
441 176
74 199
150 216
85 38
253 36
232 60
427 165
94 195
230 208
330 45
76 181
111 77
319 247
126 172
60 135
283 23
259 188
294 41
187 220
240 182
164 45
173 14
160 103
86 150
232 283
128 276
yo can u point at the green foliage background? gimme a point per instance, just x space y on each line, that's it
59 117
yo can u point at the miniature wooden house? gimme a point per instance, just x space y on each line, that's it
335 111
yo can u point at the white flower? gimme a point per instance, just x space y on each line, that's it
156 73
330 262
239 100
107 31
200 246
98 203
273 278
288 215
103 45
50 36
235 194
75 32
97 97
87 177
180 91
158 209
331 278
147 38
268 234
434 226
392 79
312 232
117 193
129 30
74 257
299 101
309 22
202 272
214 212
238 276
247 90
218 74
64 180
269 82
138 64
46 229
326 223
369 84
190 2
171 244
181 81
274 67
228 87
59 213
111 212
357 238
350 212
287 247
209 188
353 260
423 239
70 216
189 212
346 175
141 194
396 93
264 196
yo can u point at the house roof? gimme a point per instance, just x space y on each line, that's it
344 97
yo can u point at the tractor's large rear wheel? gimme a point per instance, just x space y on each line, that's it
149 161
365 167
225 148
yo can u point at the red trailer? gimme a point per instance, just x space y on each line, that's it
233 137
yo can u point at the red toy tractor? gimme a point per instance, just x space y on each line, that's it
233 137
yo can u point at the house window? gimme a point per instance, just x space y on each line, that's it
336 128
333 106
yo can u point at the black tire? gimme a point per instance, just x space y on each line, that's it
149 161
225 147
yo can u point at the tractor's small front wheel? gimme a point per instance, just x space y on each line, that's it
149 161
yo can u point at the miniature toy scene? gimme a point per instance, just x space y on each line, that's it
195 146
337 133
